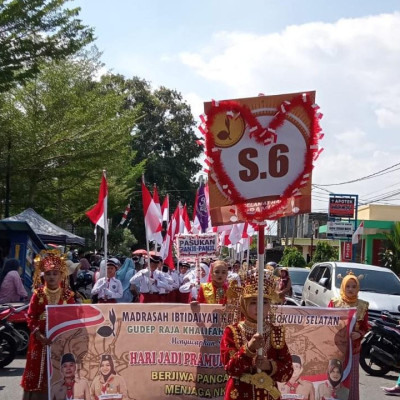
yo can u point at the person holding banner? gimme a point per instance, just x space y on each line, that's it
349 289
54 292
108 384
253 376
214 291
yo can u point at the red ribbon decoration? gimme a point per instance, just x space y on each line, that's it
264 135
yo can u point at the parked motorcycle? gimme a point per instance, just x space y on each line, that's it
380 349
11 340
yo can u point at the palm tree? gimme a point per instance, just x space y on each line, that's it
391 255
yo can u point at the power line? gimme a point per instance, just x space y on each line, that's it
374 175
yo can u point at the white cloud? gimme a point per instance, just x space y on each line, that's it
196 104
353 64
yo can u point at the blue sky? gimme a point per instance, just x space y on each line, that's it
348 51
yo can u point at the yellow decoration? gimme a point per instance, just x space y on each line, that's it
234 394
261 380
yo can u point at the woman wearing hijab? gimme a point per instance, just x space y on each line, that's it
349 298
124 274
284 284
333 387
253 376
11 287
214 291
108 382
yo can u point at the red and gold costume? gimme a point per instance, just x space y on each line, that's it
210 294
245 381
34 378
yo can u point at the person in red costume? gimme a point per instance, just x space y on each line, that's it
214 292
253 376
54 291
349 289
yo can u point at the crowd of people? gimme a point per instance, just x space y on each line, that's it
255 362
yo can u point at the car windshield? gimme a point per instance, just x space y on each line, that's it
373 281
298 277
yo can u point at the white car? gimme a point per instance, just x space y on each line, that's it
379 286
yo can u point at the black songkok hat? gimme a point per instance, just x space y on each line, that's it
68 357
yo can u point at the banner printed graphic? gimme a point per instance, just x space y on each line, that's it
161 351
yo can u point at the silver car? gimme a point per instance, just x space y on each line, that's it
379 286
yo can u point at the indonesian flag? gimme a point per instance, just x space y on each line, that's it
359 231
156 199
184 223
166 248
165 209
236 233
96 214
151 216
125 216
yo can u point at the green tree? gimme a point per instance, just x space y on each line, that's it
66 126
120 241
32 31
392 249
292 258
325 252
163 139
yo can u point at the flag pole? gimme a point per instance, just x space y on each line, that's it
248 251
260 299
105 225
145 231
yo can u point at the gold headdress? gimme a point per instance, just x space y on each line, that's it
49 260
247 289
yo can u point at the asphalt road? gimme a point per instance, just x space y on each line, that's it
10 377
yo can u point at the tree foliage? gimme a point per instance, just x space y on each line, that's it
292 258
391 255
64 128
325 252
163 138
34 31
120 241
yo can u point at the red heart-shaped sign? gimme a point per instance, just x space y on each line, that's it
226 125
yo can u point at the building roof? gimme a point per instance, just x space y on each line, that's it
46 230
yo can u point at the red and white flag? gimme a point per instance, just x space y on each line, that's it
98 212
151 216
359 231
165 209
166 248
156 199
125 216
184 223
236 233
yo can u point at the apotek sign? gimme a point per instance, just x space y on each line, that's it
341 207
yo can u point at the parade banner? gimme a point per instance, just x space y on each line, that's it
162 351
191 245
260 152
